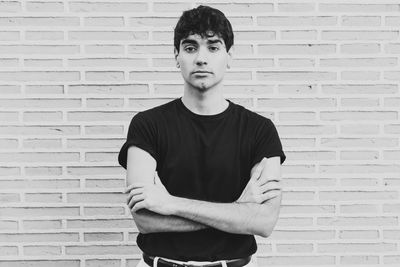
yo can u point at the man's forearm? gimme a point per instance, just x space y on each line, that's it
151 222
239 218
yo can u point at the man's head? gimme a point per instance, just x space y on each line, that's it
203 47
204 21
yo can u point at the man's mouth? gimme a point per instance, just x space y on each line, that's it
202 72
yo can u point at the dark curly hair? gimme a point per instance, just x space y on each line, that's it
205 21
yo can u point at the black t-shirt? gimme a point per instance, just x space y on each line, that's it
204 157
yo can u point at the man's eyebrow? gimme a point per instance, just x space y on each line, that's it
188 41
214 41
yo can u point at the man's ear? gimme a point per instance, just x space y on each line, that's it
176 53
230 56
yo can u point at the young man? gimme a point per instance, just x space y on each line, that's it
203 172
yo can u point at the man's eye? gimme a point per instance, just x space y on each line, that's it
190 49
214 48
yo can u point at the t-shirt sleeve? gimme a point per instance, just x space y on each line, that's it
141 133
267 143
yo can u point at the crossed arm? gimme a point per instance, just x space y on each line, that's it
155 210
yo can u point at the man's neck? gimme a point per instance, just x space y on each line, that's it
210 102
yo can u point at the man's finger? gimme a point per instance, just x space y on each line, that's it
270 186
270 195
134 185
134 200
135 191
138 206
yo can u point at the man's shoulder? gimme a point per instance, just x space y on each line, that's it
252 115
159 111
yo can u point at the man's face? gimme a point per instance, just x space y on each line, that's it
203 61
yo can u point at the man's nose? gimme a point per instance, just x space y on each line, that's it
201 57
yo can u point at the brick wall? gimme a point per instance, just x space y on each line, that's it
73 73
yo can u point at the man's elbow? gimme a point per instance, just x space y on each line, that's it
264 231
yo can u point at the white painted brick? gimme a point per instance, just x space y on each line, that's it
296 20
104 49
100 157
360 89
102 211
93 143
9 36
358 234
104 129
108 7
43 197
359 221
8 251
104 76
104 21
44 89
41 250
359 155
44 35
359 129
104 103
9 143
32 76
296 260
42 224
42 116
107 35
102 250
360 260
40 263
358 115
294 248
360 208
39 21
392 20
176 7
105 183
8 116
106 262
101 116
297 116
33 6
357 182
8 62
359 48
90 197
299 35
109 62
9 197
110 89
39 211
8 225
359 102
391 155
39 237
296 63
90 237
101 223
306 209
296 7
361 21
296 49
359 8
10 6
356 247
39 157
244 8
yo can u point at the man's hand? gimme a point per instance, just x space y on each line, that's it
260 188
154 197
